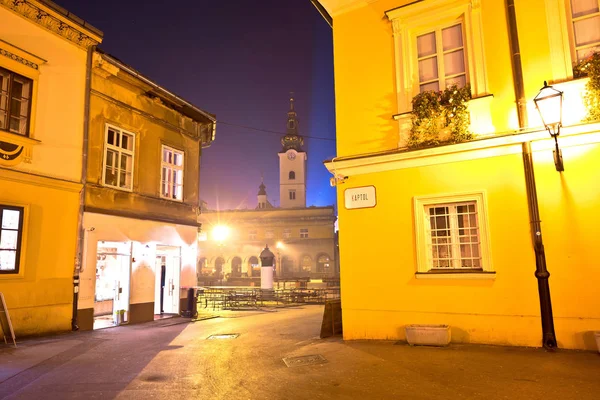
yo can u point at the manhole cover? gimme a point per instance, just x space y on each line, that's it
224 336
304 360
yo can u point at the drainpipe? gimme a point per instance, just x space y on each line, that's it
80 228
541 272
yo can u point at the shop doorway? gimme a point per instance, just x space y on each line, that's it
168 269
113 275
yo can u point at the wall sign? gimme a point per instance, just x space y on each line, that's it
360 197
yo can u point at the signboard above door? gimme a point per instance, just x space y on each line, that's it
360 197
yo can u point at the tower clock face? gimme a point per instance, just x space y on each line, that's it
291 155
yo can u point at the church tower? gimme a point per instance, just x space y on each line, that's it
292 165
263 203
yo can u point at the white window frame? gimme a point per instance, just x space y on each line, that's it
173 167
440 52
561 39
21 245
422 227
287 233
415 19
119 151
303 233
571 29
269 234
252 234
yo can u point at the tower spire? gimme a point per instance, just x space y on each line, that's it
292 139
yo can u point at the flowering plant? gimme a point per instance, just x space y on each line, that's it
590 67
434 111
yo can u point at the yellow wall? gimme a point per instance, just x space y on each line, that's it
39 298
365 81
378 263
58 96
504 310
150 136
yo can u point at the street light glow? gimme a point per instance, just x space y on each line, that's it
279 245
220 233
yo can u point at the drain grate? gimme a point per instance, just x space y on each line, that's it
312 359
224 336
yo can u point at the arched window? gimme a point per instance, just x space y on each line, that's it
253 266
236 267
202 268
307 263
292 175
323 262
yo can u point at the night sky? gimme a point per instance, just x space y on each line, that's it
238 59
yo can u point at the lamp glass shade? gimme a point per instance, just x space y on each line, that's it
549 104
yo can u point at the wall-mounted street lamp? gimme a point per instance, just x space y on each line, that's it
549 104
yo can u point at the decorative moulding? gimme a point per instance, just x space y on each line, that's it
46 18
18 59
15 149
20 56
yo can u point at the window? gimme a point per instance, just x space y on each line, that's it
323 263
292 195
306 264
118 158
437 43
269 234
11 231
441 57
585 17
287 233
304 233
252 235
292 175
452 234
171 174
15 102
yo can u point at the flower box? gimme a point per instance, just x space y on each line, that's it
428 335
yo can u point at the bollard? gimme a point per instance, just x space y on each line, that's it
191 311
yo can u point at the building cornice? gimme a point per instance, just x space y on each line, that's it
337 7
42 14
575 135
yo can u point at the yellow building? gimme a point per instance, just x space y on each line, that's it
302 238
449 225
141 197
43 58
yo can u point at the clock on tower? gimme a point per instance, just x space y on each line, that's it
292 165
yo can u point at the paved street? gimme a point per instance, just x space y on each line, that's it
172 359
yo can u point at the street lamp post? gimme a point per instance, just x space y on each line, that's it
549 104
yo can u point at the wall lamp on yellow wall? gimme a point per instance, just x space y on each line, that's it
549 103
